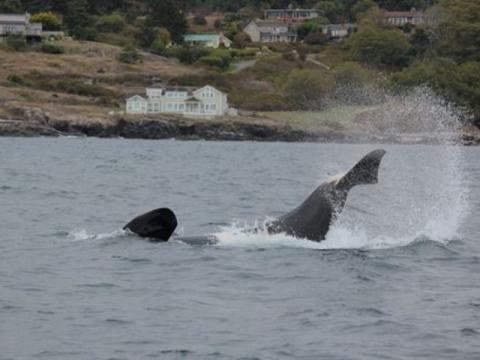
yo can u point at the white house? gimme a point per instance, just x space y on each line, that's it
271 31
400 18
291 14
187 101
208 40
19 24
338 31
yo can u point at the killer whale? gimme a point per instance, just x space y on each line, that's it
310 220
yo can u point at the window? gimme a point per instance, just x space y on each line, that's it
213 107
181 106
170 106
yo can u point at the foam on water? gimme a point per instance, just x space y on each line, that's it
81 234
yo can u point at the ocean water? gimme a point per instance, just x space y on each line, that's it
398 276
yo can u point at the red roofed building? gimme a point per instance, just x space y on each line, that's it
400 18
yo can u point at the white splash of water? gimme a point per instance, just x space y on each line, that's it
435 212
81 234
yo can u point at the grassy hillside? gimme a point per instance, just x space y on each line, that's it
86 80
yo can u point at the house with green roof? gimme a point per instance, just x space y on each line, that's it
207 40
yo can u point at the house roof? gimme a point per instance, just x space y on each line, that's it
264 23
200 37
193 99
266 27
180 88
136 97
292 10
338 26
156 86
411 13
14 18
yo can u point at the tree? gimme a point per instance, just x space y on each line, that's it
77 18
305 28
241 40
334 11
459 31
49 20
362 6
376 46
10 6
166 14
421 42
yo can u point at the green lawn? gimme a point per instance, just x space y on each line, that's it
337 118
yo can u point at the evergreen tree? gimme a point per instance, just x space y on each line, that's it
77 18
10 6
164 13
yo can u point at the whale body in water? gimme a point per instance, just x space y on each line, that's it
310 220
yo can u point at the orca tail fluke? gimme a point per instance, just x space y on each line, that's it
157 225
364 172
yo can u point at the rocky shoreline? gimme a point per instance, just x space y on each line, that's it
232 129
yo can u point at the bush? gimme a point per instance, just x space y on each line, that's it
70 85
163 35
186 54
308 89
16 42
316 37
15 79
248 53
218 24
306 28
241 40
84 33
51 48
354 84
113 23
129 55
351 74
220 62
199 20
114 39
49 21
158 47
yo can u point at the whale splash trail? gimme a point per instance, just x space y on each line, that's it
425 198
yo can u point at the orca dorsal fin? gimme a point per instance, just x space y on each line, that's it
158 224
364 172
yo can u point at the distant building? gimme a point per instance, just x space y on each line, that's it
187 101
338 31
400 18
268 31
19 24
291 14
207 40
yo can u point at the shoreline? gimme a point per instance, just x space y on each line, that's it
246 129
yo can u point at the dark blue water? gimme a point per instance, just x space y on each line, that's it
397 278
